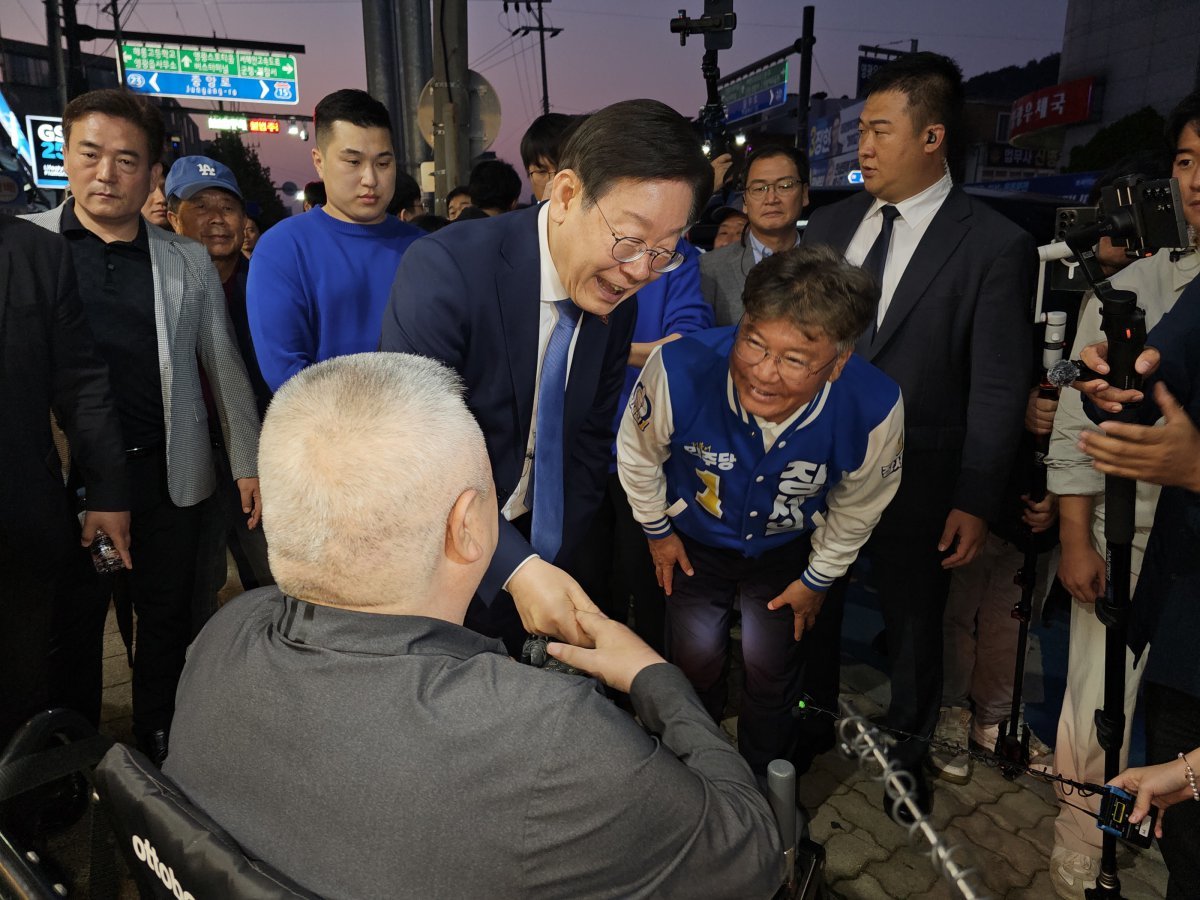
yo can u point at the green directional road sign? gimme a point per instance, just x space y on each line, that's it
208 62
150 59
266 65
212 73
763 80
757 92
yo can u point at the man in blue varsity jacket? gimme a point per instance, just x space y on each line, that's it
758 458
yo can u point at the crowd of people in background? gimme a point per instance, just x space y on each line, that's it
580 421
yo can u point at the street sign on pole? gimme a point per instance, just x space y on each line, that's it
211 73
756 93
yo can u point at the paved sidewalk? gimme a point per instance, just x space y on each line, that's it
1004 828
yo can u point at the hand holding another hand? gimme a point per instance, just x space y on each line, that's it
547 599
618 655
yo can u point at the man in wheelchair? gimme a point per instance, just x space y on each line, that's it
346 729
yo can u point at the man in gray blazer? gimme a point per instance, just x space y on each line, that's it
776 192
154 303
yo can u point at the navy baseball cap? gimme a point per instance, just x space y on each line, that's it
735 205
192 174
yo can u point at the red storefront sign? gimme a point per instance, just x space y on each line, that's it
1062 104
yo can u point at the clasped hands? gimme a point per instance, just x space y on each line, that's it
551 602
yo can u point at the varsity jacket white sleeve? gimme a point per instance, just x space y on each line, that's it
856 502
643 445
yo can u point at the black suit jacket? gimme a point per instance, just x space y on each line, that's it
468 295
47 361
957 339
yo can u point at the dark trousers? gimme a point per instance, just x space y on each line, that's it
912 585
906 568
699 613
76 652
223 527
26 606
615 569
1173 727
160 586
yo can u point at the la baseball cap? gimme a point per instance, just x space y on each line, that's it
192 174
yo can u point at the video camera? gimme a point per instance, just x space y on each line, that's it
717 25
1134 212
1142 215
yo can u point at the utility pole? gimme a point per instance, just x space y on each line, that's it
451 109
76 79
542 30
117 40
807 39
58 63
414 54
379 44
542 43
397 36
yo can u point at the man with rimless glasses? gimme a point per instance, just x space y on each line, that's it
758 458
776 192
530 309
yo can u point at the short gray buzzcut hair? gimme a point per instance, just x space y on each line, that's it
361 459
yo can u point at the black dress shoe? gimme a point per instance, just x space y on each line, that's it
154 746
898 811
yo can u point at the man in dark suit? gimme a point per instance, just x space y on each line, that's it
505 301
953 330
47 361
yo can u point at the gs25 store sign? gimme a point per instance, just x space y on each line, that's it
46 140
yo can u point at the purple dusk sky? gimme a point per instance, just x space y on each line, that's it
608 50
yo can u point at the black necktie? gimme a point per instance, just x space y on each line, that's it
877 256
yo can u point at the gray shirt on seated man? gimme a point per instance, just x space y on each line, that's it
345 728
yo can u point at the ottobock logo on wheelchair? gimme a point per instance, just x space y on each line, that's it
145 851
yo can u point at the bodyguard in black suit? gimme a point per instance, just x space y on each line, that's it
47 362
953 330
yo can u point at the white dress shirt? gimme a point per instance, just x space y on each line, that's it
915 215
551 292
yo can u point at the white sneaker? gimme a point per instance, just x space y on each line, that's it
1071 873
948 757
985 736
1041 757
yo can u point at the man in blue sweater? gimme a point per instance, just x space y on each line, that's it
321 280
758 459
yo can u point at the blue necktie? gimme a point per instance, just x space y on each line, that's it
547 487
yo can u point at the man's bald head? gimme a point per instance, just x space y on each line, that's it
367 463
